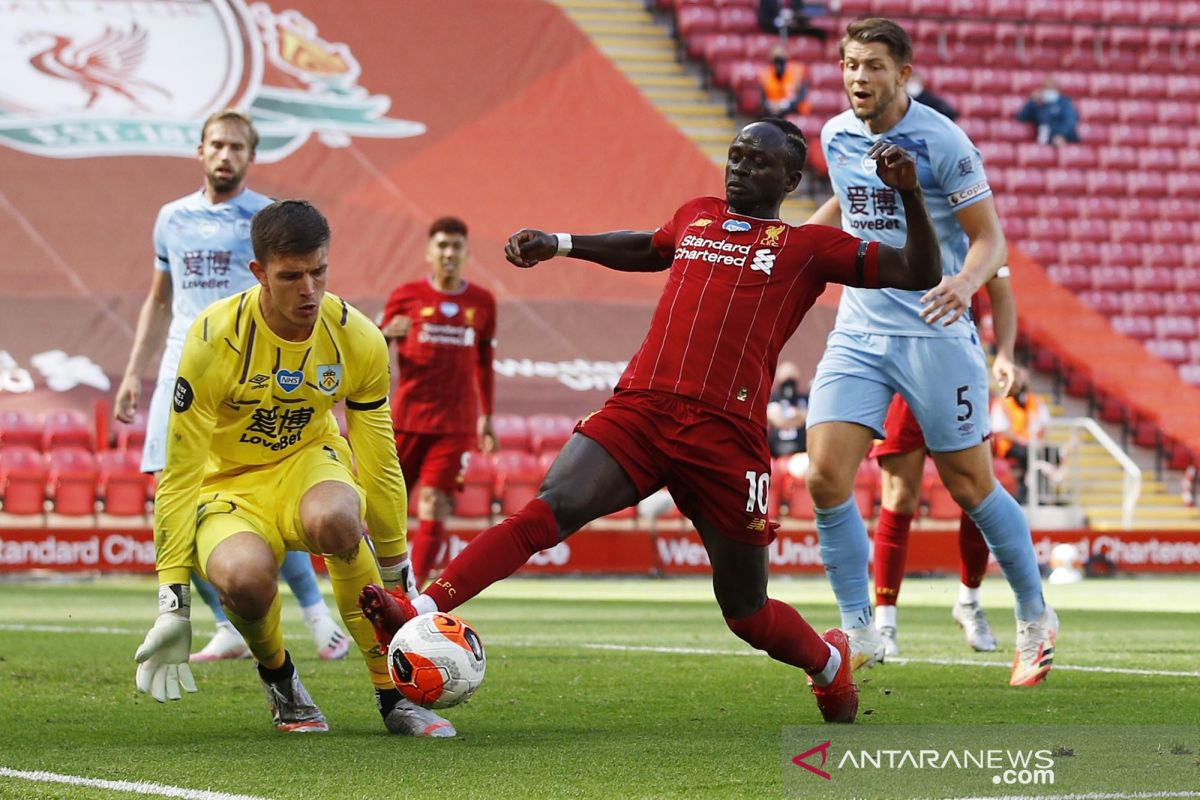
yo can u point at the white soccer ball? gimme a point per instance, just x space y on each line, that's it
437 660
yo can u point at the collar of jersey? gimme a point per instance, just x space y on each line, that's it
265 330
729 212
455 293
233 201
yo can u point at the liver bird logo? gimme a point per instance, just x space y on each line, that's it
103 65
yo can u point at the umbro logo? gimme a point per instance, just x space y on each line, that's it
259 381
764 260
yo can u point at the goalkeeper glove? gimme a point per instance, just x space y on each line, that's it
163 656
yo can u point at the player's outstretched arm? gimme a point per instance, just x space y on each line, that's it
626 251
918 265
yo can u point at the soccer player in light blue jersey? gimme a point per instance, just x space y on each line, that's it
202 254
921 344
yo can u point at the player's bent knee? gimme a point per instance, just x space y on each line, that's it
333 529
249 592
826 486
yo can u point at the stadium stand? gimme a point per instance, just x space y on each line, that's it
1112 220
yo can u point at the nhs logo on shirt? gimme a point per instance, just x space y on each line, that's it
735 225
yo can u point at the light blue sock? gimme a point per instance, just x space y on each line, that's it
208 593
297 570
1006 531
844 549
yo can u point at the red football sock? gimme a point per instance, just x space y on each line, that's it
425 547
891 551
974 552
779 629
494 554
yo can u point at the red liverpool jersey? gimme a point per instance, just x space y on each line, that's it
736 290
445 356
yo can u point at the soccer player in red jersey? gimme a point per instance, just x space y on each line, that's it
444 329
690 411
902 461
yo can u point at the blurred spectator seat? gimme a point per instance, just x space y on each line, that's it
23 476
549 431
518 476
123 487
20 428
478 489
66 428
512 431
73 481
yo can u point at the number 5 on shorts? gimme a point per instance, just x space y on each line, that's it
760 485
963 401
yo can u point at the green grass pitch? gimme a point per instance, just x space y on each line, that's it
594 689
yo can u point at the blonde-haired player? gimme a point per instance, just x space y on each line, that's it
256 466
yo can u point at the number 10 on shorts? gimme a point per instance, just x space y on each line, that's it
760 486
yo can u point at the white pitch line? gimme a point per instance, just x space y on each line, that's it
702 651
686 651
133 787
1087 796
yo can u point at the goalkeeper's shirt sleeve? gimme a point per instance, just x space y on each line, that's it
193 416
369 428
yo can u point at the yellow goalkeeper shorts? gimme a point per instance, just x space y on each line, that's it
266 500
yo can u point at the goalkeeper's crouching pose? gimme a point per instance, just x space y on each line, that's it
255 467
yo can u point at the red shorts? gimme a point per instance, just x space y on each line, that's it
902 430
717 467
433 459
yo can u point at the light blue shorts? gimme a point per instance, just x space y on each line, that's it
944 380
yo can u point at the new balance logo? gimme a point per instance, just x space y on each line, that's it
764 261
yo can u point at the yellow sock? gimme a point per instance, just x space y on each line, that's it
349 578
263 636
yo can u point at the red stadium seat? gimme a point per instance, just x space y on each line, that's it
1016 205
1105 182
1108 84
737 19
1047 228
1164 254
1080 253
1169 326
1115 277
1182 87
1151 87
1041 251
518 476
998 154
799 501
1186 184
1120 253
512 432
1162 135
1175 112
1095 109
1136 327
1156 12
73 481
66 428
478 489
1070 276
1138 208
22 480
1063 181
1005 9
1173 351
123 487
1182 303
758 47
131 436
950 79
1086 229
1190 373
1194 351
1187 278
724 47
1117 157
693 22
1129 230
20 428
1037 155
1014 228
1102 301
1076 156
1155 279
1004 130
1026 180
549 431
1140 302
1181 209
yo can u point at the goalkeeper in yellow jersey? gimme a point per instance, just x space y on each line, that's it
255 466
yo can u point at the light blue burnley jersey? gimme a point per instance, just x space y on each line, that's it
951 174
206 248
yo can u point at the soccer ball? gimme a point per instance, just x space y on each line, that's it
436 660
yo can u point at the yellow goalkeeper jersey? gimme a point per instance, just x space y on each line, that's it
245 398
